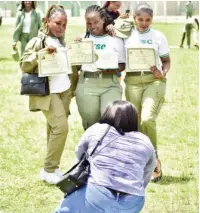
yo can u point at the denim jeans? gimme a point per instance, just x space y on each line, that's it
98 199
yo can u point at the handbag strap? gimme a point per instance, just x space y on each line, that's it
105 146
86 156
100 140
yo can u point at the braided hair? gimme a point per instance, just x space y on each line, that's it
95 9
52 10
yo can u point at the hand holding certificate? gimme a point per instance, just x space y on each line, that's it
53 64
140 59
81 52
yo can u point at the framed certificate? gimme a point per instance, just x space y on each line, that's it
140 59
53 64
81 52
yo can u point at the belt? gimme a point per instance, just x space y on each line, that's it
115 192
138 73
97 75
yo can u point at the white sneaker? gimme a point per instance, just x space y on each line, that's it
58 173
51 178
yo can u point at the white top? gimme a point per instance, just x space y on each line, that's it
27 22
190 20
106 46
59 83
150 38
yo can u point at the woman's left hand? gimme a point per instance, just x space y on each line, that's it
156 72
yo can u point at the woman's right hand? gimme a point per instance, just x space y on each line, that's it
49 49
14 44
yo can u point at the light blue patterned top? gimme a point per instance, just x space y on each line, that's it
125 164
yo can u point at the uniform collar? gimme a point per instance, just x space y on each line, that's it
146 31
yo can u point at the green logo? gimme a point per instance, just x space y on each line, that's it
146 41
100 46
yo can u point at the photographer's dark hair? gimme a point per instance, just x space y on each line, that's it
95 9
122 115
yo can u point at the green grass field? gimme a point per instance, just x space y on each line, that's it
23 137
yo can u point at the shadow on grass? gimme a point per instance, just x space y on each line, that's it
6 58
167 180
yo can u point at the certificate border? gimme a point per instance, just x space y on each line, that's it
140 48
84 41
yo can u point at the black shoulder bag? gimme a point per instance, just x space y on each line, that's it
32 84
78 175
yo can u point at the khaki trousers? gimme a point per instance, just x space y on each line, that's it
148 95
57 128
94 93
24 41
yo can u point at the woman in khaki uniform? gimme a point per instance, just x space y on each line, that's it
55 106
97 87
28 23
146 90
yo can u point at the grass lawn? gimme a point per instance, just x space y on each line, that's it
23 137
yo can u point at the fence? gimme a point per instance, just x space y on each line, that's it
77 8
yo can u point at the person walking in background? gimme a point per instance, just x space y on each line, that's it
55 106
196 33
191 29
112 13
28 23
1 17
97 87
146 90
120 168
189 9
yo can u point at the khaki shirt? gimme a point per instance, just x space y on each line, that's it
29 64
35 25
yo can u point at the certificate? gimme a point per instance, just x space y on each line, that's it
140 59
81 52
107 60
53 64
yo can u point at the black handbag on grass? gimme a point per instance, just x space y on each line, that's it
32 84
78 175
